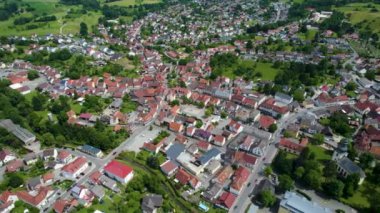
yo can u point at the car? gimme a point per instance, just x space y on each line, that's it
249 184
114 153
82 173
263 158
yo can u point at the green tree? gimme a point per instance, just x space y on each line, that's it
366 160
15 180
286 183
298 95
266 198
330 170
318 139
153 162
272 128
32 74
334 188
268 171
313 179
39 101
83 31
300 171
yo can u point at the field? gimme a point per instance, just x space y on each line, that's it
320 153
63 24
267 71
361 198
132 2
360 12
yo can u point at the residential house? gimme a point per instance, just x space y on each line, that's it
6 156
7 201
64 156
169 168
49 153
239 180
219 140
83 195
151 202
293 145
119 171
38 199
74 168
93 151
30 158
14 165
283 98
224 174
64 206
234 127
226 200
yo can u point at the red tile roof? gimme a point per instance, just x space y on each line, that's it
182 176
293 144
265 121
227 199
168 167
118 169
33 200
75 165
240 177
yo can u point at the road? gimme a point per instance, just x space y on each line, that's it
244 200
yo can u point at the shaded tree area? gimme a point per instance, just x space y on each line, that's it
21 111
297 74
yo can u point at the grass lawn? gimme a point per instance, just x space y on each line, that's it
126 63
320 153
128 106
267 71
49 7
30 95
364 49
126 3
309 35
76 107
359 12
362 196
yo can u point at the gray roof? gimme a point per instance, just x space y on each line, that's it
23 134
30 156
350 167
213 191
34 182
117 103
209 155
151 202
284 96
90 149
174 151
98 191
299 204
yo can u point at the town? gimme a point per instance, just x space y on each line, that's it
191 106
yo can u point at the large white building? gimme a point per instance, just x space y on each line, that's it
119 171
73 169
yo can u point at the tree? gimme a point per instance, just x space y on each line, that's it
83 31
351 184
351 86
153 162
366 160
300 171
371 75
313 179
15 180
298 95
249 45
376 174
39 101
32 74
266 198
318 139
329 171
286 183
268 171
334 188
272 128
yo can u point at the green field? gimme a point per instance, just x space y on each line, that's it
361 198
266 70
359 12
321 154
132 2
63 24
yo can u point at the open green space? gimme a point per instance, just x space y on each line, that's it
64 23
364 13
126 3
362 196
267 70
321 154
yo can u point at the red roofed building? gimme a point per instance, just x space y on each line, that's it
7 200
169 168
14 165
235 126
266 121
219 140
292 145
37 200
119 171
226 200
64 156
73 169
95 177
244 159
204 146
240 178
175 127
64 206
182 176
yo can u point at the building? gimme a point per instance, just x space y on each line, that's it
346 167
169 168
93 151
239 180
6 156
119 171
21 133
38 199
7 200
226 200
30 158
293 145
49 153
64 156
283 98
83 194
293 202
64 206
73 169
151 202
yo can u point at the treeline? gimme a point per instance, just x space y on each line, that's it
87 4
25 20
8 10
297 74
58 133
322 176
